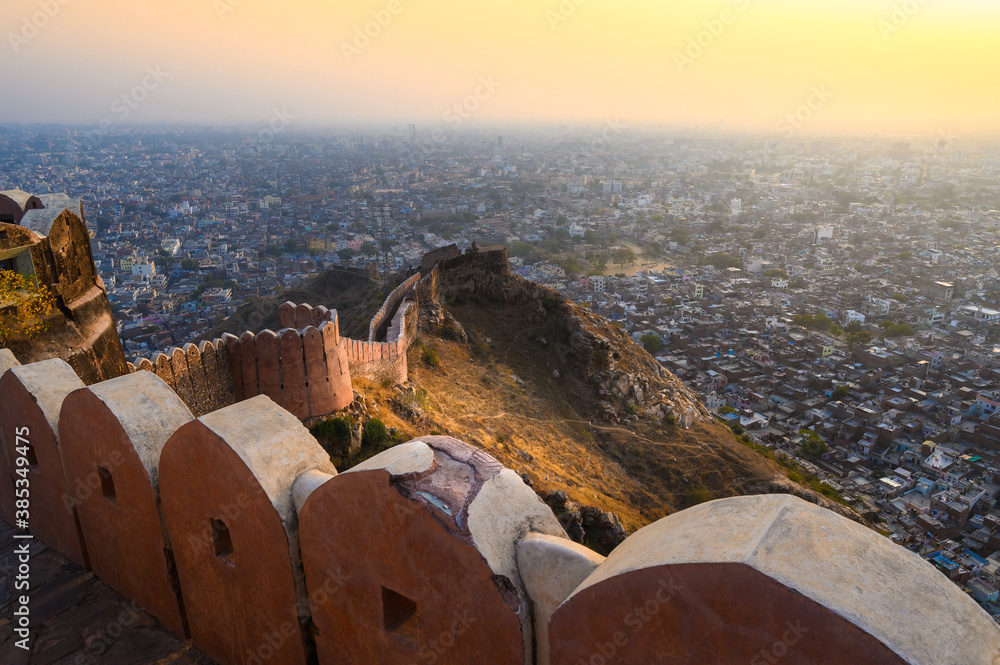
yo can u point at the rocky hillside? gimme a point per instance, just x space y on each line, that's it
591 420
572 403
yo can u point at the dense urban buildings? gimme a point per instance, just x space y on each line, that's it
835 301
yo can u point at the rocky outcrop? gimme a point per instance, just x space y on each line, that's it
600 530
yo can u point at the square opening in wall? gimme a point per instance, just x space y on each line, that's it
400 616
223 542
107 484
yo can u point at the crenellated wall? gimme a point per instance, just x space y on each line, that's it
380 323
236 527
303 369
378 360
201 375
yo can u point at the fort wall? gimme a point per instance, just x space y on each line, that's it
380 323
432 551
303 367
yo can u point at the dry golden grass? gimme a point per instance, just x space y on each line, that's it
503 398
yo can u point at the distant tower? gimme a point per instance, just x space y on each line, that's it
413 134
500 142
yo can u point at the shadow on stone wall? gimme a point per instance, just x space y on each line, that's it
236 528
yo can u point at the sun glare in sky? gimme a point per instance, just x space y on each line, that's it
818 66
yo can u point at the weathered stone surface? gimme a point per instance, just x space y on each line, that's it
293 374
248 365
233 525
235 365
112 434
269 367
54 247
32 398
430 550
730 580
551 568
182 383
286 315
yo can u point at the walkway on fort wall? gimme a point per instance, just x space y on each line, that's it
76 619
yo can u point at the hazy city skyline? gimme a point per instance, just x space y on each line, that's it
905 66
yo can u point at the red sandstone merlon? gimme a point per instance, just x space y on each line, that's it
32 396
418 545
112 434
226 490
765 579
7 361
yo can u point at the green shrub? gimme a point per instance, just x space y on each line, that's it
374 434
336 429
430 356
697 495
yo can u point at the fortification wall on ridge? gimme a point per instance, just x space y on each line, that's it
387 360
305 370
432 551
303 367
381 321
201 375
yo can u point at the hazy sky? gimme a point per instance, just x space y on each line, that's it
924 66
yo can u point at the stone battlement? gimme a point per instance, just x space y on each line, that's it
235 529
305 367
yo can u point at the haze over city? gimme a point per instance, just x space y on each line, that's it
879 67
551 332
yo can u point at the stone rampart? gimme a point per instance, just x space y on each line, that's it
381 321
237 526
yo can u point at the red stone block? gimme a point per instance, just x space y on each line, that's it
293 374
248 365
32 397
269 367
111 435
321 395
235 364
286 315
407 559
226 490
